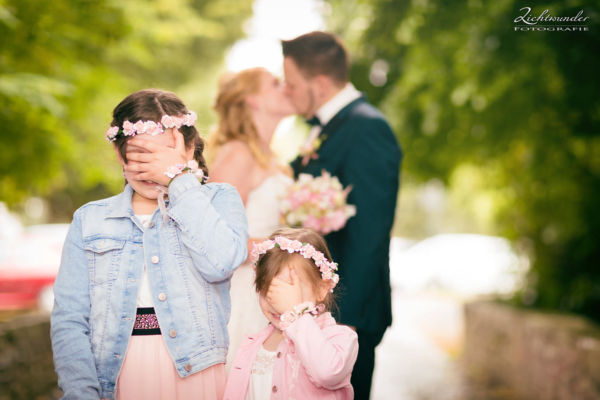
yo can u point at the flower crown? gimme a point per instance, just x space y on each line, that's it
150 127
306 250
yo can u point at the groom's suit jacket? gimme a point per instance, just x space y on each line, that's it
361 150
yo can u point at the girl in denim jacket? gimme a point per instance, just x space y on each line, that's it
303 353
142 294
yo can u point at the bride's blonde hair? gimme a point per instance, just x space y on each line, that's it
235 116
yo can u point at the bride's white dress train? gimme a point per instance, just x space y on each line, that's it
262 210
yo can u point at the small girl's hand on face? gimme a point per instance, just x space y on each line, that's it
148 159
283 295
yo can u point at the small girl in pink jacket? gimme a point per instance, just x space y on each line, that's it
302 353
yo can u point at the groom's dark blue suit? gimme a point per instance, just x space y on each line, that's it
361 150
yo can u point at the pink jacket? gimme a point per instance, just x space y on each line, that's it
314 361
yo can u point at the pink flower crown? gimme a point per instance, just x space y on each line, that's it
151 127
306 250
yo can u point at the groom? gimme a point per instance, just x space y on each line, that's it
351 139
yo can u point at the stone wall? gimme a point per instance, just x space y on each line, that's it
26 367
522 354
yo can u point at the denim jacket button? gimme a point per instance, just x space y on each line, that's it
172 333
154 259
188 367
162 296
151 224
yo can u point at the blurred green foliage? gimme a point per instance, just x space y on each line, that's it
510 118
508 122
65 64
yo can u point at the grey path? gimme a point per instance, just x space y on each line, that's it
417 359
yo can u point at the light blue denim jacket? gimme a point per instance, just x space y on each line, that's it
189 259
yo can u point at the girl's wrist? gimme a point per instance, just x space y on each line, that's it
191 167
307 307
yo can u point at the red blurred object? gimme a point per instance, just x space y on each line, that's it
29 262
18 292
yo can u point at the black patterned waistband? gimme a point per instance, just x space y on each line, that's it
146 322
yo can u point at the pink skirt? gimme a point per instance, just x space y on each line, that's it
149 373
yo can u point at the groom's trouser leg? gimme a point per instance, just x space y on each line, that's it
362 374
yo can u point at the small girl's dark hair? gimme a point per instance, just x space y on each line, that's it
273 261
151 105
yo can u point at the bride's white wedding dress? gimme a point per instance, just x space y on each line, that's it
262 210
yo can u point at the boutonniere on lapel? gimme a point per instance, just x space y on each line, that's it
309 150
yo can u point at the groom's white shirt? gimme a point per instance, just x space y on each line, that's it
328 110
344 97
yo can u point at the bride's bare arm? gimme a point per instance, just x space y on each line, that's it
251 242
235 164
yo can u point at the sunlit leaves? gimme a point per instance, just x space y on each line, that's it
65 64
510 121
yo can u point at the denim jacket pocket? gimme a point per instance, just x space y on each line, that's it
104 255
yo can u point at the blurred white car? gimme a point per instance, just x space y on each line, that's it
465 264
29 262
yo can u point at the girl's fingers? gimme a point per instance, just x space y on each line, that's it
146 144
273 296
293 276
272 291
143 176
137 166
134 170
143 157
130 167
279 282
179 141
138 176
159 155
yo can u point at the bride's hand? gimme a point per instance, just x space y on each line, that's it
152 163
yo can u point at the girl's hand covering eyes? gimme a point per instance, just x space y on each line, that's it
284 295
151 163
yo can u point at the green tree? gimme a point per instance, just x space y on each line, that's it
65 64
44 45
518 111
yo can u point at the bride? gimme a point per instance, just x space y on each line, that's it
250 104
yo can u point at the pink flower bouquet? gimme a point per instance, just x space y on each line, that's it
317 203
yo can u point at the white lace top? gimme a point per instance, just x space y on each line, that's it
144 298
262 375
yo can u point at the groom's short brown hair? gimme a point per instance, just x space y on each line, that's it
319 53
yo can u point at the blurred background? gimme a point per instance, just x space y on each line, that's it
497 222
